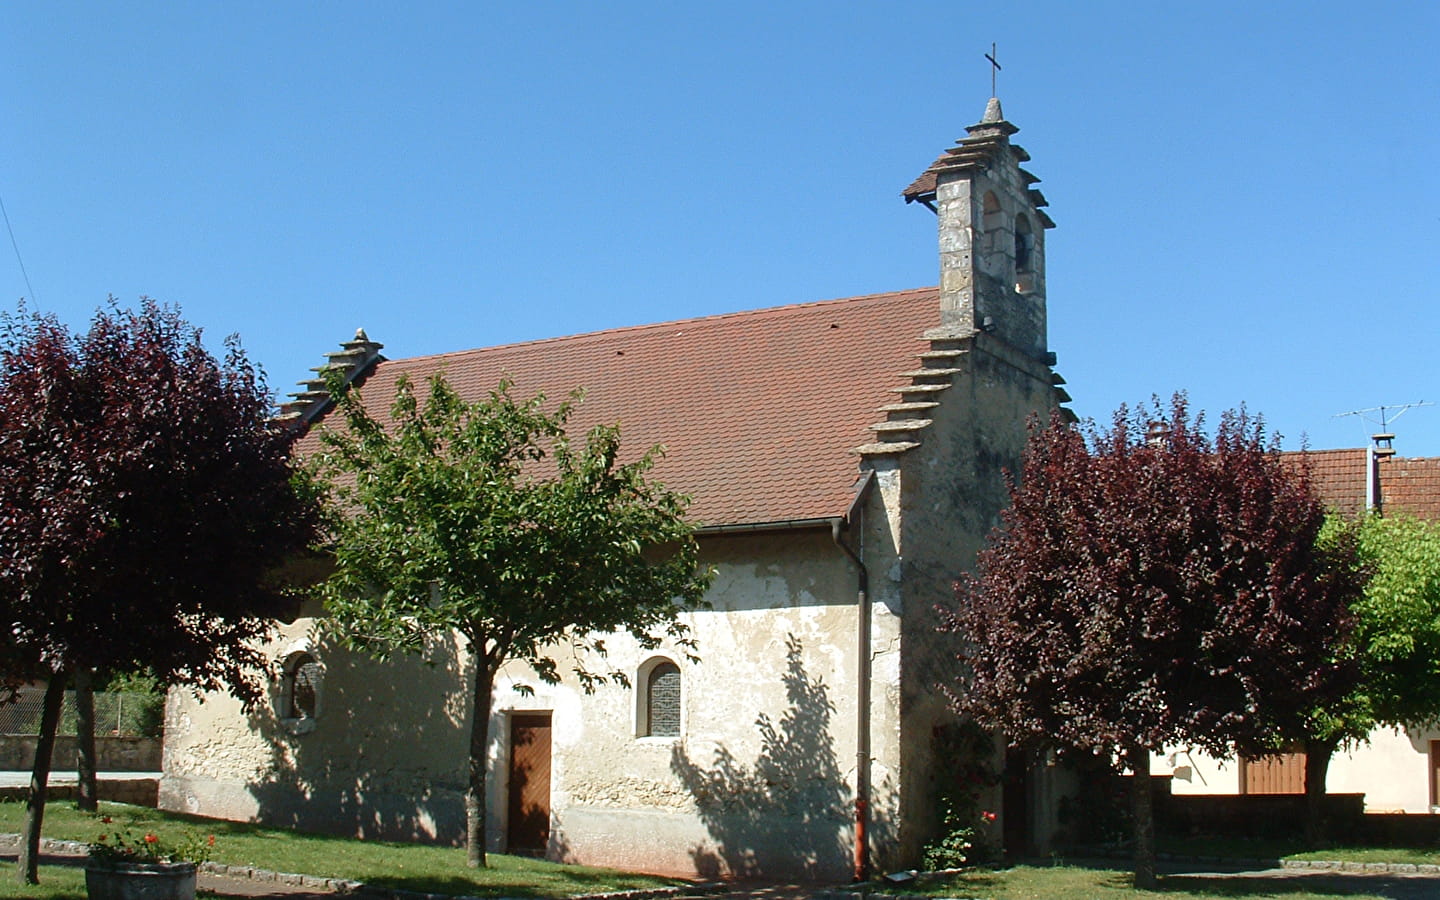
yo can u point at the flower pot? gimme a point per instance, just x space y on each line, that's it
139 880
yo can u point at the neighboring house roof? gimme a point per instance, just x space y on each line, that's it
760 412
1339 478
1407 484
1412 484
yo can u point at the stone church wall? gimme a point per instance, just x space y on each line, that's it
761 778
759 781
951 493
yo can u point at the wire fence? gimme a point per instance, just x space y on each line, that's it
120 714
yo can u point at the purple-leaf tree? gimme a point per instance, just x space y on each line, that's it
147 503
1152 586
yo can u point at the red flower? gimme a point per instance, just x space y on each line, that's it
104 837
105 819
988 816
211 840
151 839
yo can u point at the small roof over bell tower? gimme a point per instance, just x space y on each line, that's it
984 143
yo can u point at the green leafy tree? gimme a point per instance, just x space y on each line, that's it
1151 586
1396 645
1397 620
146 499
487 520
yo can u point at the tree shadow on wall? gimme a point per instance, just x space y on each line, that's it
385 755
790 812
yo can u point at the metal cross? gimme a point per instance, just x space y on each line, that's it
994 67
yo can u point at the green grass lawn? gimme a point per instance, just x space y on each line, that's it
420 867
56 883
414 867
1295 849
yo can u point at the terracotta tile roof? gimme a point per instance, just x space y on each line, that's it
1412 484
759 411
1408 484
1339 478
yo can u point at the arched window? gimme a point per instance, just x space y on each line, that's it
1024 245
300 687
662 690
657 712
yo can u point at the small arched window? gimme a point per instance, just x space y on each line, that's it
1024 245
300 693
658 714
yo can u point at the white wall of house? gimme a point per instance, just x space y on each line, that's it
1392 770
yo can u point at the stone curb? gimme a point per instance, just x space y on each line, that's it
1371 868
1322 865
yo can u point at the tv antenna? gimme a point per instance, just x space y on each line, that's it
1384 416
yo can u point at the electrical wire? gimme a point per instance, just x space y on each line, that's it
28 286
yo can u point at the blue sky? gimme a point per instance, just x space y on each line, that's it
1247 194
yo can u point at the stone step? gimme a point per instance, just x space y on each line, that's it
900 426
917 406
886 448
930 372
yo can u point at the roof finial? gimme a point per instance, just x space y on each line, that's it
994 67
992 108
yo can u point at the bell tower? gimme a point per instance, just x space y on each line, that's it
992 236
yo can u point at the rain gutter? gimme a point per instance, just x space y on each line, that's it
862 676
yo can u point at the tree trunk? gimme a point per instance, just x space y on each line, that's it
27 865
479 744
1143 805
86 793
1317 766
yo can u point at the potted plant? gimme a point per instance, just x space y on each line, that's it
122 866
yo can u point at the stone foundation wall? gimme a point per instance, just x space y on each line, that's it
135 791
112 754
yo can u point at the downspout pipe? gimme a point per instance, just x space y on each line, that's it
862 676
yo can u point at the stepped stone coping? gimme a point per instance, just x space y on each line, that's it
900 425
915 406
942 354
920 389
929 372
886 448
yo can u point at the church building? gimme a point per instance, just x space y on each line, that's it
846 461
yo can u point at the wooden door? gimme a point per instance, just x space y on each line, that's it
528 825
1283 773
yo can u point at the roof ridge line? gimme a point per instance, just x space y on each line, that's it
673 322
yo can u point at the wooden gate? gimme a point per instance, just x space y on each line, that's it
1283 773
528 824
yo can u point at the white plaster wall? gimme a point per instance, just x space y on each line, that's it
759 782
383 758
1391 770
1194 772
761 778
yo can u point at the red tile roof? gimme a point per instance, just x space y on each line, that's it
1339 479
1407 484
1412 484
759 411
